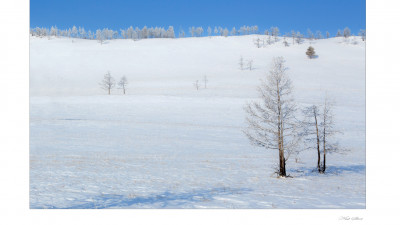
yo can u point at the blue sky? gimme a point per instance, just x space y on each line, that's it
299 15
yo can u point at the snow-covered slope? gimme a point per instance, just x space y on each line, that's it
166 144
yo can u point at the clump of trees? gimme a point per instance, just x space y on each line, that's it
319 130
108 83
160 32
249 64
197 85
272 122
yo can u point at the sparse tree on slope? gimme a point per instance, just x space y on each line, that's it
271 123
312 132
328 131
99 36
346 32
241 62
362 34
339 33
107 83
123 83
250 64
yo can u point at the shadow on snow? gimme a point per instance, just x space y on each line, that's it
166 199
330 170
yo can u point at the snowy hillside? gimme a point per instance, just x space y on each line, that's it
166 144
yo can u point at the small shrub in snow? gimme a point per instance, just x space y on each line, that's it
310 52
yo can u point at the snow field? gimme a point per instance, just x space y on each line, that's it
166 145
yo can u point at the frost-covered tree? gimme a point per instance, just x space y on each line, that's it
285 43
241 63
82 33
271 123
255 29
205 80
233 32
99 36
199 31
74 32
196 84
192 31
53 31
144 32
220 31
250 64
225 32
310 52
328 131
312 131
215 30
258 42
362 34
107 83
310 34
182 34
123 83
275 33
339 33
327 34
318 34
170 32
209 31
299 38
293 35
346 32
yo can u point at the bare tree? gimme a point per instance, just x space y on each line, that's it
285 43
107 83
310 34
346 32
339 33
299 38
250 64
318 34
271 122
257 42
362 34
99 36
196 84
241 62
275 32
205 82
311 132
293 34
328 131
123 83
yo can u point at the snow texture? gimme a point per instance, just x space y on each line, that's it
166 144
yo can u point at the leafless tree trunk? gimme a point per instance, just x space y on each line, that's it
271 123
107 83
123 83
250 64
196 84
205 82
241 62
257 42
311 127
328 131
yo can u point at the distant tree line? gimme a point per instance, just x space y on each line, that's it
160 32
